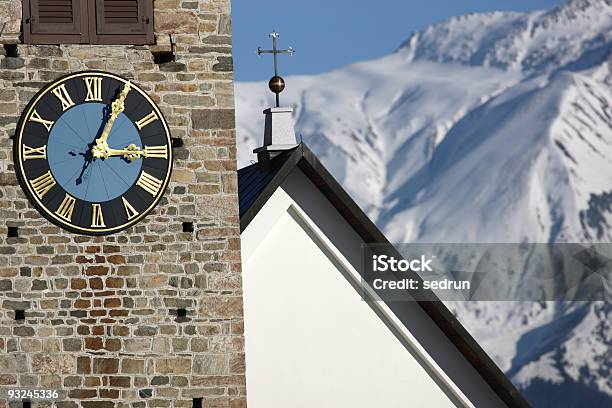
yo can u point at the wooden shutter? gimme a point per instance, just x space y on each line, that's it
124 22
55 21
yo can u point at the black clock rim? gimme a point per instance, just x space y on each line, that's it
42 210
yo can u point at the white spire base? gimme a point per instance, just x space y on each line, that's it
279 134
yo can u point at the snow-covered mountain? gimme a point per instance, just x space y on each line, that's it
491 127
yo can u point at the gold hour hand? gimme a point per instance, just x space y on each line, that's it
131 152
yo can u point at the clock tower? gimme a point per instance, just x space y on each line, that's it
120 279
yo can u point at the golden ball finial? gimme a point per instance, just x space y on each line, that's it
276 84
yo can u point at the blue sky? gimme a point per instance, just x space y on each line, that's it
328 34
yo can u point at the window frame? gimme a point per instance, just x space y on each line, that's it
90 23
49 35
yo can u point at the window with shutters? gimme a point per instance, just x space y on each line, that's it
54 21
88 21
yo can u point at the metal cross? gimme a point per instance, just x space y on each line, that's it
275 51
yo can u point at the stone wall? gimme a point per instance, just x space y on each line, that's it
100 312
10 21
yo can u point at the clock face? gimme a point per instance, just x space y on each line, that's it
93 153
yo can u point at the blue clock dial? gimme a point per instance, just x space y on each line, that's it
93 153
71 161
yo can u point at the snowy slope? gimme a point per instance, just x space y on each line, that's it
489 127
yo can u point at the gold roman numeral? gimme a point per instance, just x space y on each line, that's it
156 152
129 210
66 207
97 219
149 183
34 152
43 184
94 89
63 96
35 117
146 120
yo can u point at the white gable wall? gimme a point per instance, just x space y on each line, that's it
311 340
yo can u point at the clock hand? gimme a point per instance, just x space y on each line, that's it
116 108
131 152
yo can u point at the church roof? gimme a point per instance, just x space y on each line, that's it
252 181
257 183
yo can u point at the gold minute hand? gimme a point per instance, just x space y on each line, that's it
116 108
